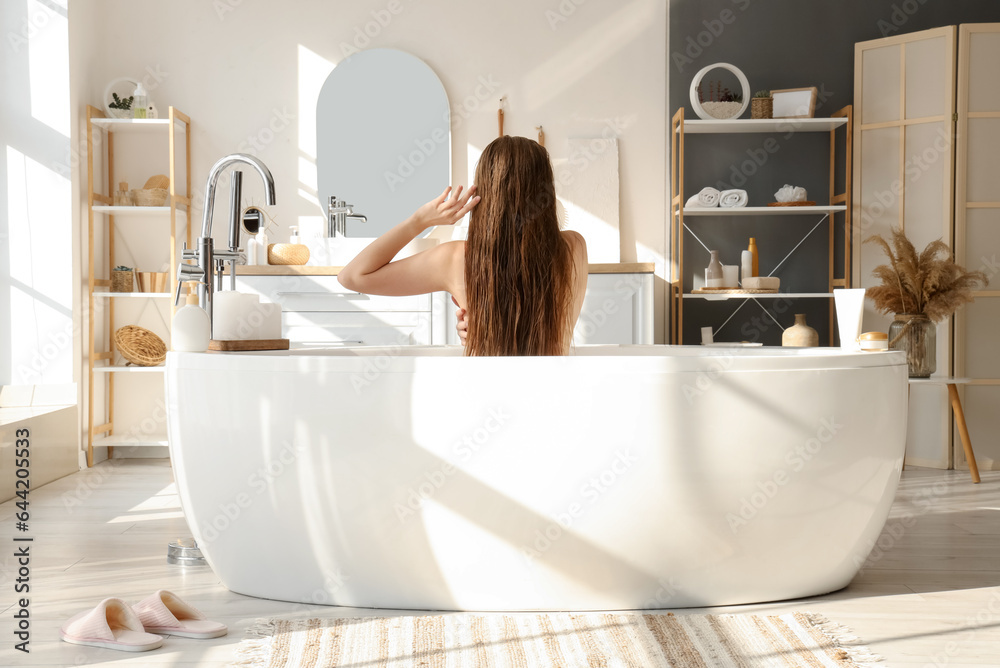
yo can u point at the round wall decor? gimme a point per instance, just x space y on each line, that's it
721 109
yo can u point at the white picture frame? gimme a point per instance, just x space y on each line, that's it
794 102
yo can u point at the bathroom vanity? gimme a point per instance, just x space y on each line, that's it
318 311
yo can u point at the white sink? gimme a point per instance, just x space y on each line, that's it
338 251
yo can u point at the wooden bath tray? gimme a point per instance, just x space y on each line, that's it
259 344
731 291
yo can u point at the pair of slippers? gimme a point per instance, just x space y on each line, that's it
113 624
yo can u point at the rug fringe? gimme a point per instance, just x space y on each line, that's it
254 649
844 639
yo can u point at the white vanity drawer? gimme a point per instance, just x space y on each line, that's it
369 328
324 293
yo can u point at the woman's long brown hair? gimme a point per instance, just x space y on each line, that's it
519 269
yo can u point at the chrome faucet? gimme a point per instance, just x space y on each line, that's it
337 213
204 271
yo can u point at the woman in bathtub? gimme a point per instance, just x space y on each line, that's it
518 280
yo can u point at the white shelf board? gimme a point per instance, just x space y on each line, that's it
766 295
762 210
783 125
121 368
125 441
133 294
134 210
136 124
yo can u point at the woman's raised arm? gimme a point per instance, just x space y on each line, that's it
373 271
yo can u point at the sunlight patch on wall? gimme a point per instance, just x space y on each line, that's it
313 71
48 64
41 286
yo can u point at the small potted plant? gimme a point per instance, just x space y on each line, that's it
122 279
919 290
762 105
119 107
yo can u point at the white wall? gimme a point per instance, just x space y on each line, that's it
248 75
36 237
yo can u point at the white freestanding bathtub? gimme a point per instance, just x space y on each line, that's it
621 477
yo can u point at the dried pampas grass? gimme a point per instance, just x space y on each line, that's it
929 283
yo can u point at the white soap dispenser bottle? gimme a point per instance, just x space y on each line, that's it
190 329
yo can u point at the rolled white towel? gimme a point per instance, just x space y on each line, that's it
731 199
706 198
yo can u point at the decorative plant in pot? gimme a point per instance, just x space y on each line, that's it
919 290
119 107
762 104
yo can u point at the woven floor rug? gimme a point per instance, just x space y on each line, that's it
556 639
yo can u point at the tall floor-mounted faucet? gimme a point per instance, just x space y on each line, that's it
205 254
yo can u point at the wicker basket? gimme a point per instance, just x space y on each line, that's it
287 254
150 196
122 281
140 346
762 107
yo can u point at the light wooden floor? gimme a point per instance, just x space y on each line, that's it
932 598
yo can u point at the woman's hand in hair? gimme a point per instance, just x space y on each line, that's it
463 324
447 208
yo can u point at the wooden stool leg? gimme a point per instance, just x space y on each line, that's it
963 431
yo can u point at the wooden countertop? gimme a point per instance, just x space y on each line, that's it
303 270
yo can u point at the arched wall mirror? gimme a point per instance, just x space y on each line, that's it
383 135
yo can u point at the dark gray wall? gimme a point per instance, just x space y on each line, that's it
779 44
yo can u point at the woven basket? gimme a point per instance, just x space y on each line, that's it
140 346
762 107
287 254
150 196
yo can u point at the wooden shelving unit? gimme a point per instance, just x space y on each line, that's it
176 128
839 203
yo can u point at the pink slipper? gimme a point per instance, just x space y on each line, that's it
163 612
111 625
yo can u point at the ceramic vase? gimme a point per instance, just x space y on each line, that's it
714 277
800 335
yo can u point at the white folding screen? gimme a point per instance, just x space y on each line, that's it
977 234
903 173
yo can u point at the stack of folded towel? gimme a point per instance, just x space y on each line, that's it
733 198
709 197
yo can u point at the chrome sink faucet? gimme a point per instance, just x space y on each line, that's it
204 272
337 213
